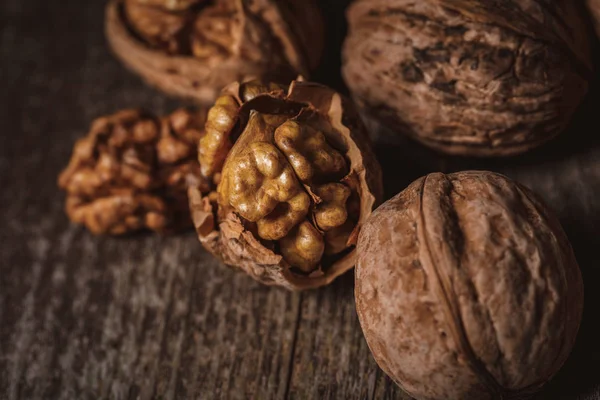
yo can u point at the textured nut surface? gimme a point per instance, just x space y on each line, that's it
467 288
132 171
309 153
194 48
303 247
157 26
331 212
469 77
262 188
214 146
295 186
213 32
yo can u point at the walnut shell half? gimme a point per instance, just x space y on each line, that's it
296 180
469 77
467 288
192 49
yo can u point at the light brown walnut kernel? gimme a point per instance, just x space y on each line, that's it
157 26
312 158
214 30
284 217
255 88
214 146
118 214
340 238
303 247
297 183
132 171
331 212
263 189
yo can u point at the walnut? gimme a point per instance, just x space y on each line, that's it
193 48
296 180
469 77
132 171
467 288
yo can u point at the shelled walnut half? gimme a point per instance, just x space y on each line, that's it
193 48
132 171
296 180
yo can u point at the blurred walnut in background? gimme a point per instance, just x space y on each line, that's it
161 23
193 48
469 77
132 171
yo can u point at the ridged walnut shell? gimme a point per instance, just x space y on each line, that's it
469 77
224 232
264 39
467 288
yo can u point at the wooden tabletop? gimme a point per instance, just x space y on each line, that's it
145 316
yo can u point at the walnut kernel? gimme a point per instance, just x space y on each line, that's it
293 173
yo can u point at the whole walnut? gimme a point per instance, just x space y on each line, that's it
467 288
193 48
132 171
296 180
469 77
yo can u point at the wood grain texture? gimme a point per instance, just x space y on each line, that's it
155 317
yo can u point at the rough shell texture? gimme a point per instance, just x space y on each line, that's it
194 53
470 77
467 288
132 171
224 233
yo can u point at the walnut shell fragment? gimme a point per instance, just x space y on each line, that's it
193 48
469 77
296 180
132 172
467 288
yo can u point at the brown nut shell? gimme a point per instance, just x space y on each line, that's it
467 288
193 49
237 240
469 77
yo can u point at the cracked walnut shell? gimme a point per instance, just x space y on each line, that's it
132 171
193 48
467 288
469 77
296 181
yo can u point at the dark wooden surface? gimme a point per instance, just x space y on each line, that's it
155 317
